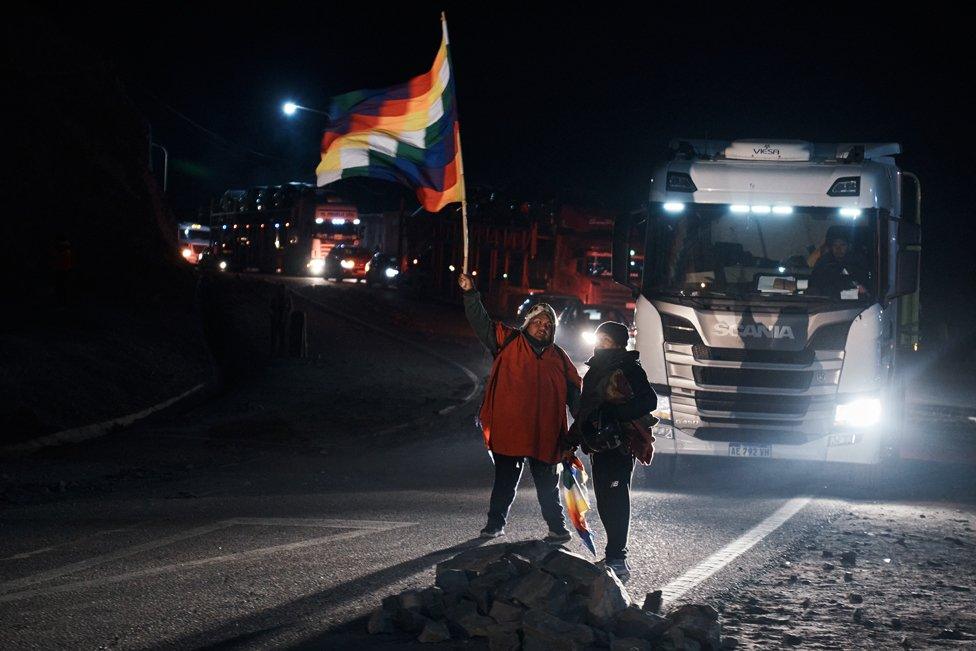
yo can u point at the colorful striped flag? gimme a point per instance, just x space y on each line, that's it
576 501
407 133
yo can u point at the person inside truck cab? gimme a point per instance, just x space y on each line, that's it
837 271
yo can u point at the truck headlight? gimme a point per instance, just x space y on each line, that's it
347 264
222 264
391 272
663 411
863 412
316 266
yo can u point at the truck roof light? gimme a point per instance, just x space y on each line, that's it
673 207
853 213
845 186
681 182
783 210
760 210
338 221
739 209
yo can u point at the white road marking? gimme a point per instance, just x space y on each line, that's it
681 585
362 527
42 550
98 429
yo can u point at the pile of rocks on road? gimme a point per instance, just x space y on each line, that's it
533 596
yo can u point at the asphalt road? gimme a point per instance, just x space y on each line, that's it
280 513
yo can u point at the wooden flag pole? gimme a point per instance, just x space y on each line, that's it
457 143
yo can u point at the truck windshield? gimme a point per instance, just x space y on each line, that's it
738 252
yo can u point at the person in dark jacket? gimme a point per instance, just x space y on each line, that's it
614 427
523 415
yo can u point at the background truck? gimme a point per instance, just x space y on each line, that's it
779 297
286 229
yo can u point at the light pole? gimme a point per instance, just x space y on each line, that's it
165 163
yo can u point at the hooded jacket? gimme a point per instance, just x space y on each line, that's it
528 388
616 386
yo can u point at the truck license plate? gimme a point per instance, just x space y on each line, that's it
749 450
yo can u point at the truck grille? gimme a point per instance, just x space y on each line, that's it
747 377
752 395
752 403
803 357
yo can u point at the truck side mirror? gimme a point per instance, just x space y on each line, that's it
620 262
908 260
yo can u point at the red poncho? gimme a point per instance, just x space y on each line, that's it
524 412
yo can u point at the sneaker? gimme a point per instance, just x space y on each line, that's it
619 567
492 532
558 537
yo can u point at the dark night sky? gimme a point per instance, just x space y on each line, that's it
557 98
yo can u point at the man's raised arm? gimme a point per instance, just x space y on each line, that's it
477 315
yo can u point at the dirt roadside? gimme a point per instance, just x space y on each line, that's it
879 576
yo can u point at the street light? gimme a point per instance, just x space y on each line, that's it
290 108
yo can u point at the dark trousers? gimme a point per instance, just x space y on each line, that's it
612 472
508 472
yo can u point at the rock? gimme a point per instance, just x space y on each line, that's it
434 632
502 567
827 553
700 623
960 588
533 551
855 598
475 625
504 612
574 610
457 607
828 566
474 560
452 580
504 637
432 602
521 564
653 600
792 640
544 632
410 621
858 614
483 588
848 576
848 558
674 639
954 540
606 598
808 615
729 643
540 590
806 602
578 572
630 644
950 634
895 623
634 622
381 621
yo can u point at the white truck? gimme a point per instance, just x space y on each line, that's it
777 298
